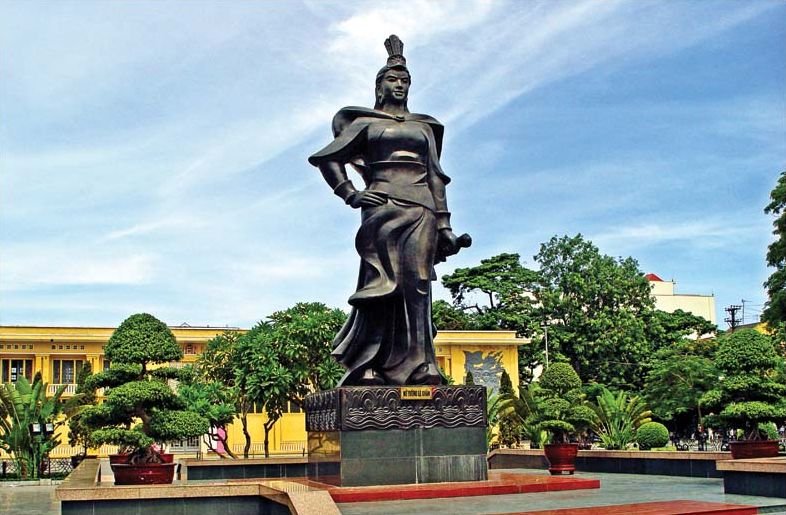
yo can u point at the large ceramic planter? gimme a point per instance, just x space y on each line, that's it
142 473
562 457
747 449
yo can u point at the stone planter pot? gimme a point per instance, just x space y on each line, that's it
562 457
142 473
747 449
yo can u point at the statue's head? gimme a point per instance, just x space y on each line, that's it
393 79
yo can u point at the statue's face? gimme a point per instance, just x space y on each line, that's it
394 87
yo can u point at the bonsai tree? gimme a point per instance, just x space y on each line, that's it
560 406
141 408
751 391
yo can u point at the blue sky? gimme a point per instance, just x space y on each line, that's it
153 154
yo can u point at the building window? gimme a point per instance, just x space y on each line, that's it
13 369
107 364
64 370
189 348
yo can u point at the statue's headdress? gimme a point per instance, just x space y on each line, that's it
395 48
396 60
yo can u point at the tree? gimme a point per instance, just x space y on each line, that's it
752 391
141 408
503 283
212 400
595 306
25 411
306 332
524 408
666 329
450 318
679 376
79 433
775 310
278 361
493 295
509 426
223 363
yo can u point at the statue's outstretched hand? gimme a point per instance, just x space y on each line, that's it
449 244
367 198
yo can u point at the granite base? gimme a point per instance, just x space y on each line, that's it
395 456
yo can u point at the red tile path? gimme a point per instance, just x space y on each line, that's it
497 484
652 508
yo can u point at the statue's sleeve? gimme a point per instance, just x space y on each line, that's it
345 146
437 181
433 156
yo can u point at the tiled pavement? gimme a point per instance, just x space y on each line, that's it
615 489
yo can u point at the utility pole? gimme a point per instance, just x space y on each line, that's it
732 319
743 301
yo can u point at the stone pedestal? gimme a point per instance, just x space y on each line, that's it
359 436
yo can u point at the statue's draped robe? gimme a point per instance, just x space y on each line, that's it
389 329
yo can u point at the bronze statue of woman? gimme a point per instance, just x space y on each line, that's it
405 229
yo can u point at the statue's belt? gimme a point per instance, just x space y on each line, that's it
402 180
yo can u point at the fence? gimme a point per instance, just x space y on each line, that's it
286 448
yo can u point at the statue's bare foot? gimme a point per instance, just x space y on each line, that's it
371 377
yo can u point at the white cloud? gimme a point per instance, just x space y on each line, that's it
705 234
68 266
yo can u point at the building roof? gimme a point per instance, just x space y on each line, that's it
653 278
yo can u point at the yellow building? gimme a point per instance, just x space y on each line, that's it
667 300
59 352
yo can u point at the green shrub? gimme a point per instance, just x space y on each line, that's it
652 434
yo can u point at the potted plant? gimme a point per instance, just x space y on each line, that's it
751 392
556 405
141 409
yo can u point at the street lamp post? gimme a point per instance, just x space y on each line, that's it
545 327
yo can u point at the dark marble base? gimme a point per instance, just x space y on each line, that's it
231 469
249 505
623 463
397 456
754 483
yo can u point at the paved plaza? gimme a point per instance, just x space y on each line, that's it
615 489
